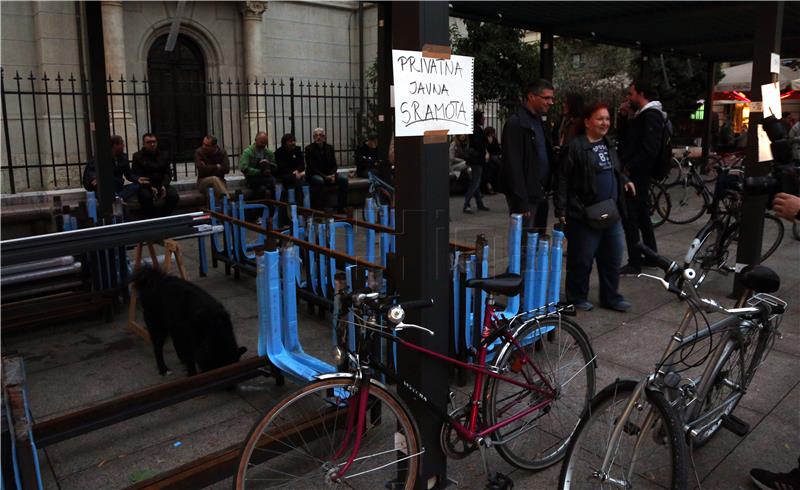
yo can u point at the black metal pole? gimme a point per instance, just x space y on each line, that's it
385 123
708 110
99 113
360 120
768 29
546 55
422 253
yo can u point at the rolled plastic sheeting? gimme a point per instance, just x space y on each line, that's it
40 274
36 265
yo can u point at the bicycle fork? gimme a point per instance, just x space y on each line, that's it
603 474
357 409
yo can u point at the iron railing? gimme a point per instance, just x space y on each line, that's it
46 129
46 121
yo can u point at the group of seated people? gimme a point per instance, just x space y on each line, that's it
149 176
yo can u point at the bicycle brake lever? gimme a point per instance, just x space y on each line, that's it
403 326
662 281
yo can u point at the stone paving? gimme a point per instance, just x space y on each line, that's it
76 364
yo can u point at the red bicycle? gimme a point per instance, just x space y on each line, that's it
350 430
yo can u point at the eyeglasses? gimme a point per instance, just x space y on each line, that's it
549 97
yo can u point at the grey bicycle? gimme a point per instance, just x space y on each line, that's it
635 433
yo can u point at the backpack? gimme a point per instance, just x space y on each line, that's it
663 163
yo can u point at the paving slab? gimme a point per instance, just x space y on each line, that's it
78 363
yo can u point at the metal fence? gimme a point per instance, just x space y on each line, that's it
46 126
46 132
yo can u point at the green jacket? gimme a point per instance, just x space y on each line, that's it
248 163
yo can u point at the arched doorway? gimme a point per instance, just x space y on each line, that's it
177 96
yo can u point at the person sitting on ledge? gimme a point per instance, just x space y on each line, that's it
321 167
154 174
212 164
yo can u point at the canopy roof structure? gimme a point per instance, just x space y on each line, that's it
713 31
738 78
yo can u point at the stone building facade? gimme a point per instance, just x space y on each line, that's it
249 44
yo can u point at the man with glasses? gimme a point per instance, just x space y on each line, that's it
153 172
528 156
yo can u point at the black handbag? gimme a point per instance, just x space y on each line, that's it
602 215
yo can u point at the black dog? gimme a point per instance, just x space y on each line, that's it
199 325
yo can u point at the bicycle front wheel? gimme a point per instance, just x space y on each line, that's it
307 438
771 237
650 450
688 203
560 352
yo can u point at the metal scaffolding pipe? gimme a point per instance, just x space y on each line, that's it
36 275
36 265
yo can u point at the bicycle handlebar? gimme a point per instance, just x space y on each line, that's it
663 263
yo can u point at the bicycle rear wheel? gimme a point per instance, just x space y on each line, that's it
770 239
688 203
660 205
304 440
561 352
659 459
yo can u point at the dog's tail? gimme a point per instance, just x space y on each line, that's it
146 277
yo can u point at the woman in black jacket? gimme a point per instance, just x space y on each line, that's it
591 178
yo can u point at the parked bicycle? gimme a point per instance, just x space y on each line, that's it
659 202
348 429
635 432
715 244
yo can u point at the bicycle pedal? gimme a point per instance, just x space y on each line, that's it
499 481
736 425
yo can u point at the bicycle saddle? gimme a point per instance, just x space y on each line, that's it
507 283
760 279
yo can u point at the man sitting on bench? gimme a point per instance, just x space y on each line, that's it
321 169
153 169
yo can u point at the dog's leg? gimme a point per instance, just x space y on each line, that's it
158 350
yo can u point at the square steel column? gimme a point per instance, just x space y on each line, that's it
422 269
546 54
99 110
768 28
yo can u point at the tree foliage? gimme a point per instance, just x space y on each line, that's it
681 82
596 71
504 62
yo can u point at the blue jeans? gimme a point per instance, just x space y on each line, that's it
474 187
128 191
584 245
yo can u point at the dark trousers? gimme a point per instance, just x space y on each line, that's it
490 172
474 187
147 201
585 245
537 221
263 186
637 223
318 187
292 182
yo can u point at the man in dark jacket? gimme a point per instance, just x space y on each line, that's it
211 163
291 168
122 171
528 156
640 146
154 174
476 160
367 156
321 168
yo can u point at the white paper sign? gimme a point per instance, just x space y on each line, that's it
771 99
775 63
764 148
432 94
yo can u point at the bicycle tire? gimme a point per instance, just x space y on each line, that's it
588 446
772 235
687 201
660 204
320 409
541 436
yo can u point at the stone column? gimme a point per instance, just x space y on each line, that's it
252 40
121 122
